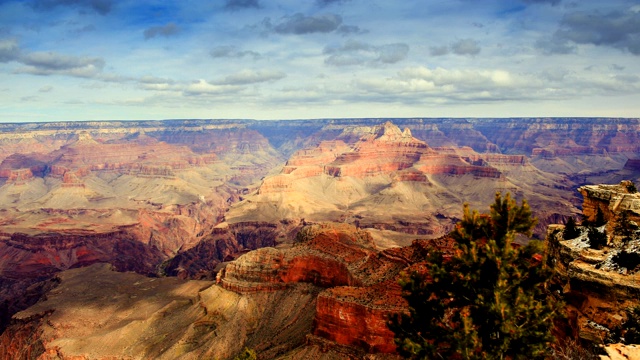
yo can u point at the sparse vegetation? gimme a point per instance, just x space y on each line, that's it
488 301
597 239
631 188
307 233
247 354
600 220
571 231
631 327
627 259
624 228
571 349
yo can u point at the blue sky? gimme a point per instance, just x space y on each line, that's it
288 59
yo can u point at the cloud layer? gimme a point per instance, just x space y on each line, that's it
321 58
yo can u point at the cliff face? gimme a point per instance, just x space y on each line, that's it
568 137
116 194
385 178
126 315
336 288
360 283
610 199
598 290
187 197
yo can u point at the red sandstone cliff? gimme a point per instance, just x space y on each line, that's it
360 281
382 177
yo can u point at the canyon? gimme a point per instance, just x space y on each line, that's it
321 215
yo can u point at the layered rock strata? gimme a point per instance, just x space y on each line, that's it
610 200
360 282
598 291
383 177
95 313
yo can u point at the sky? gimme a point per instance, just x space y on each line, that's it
64 60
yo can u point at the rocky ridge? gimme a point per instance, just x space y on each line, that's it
173 199
365 171
599 292
337 286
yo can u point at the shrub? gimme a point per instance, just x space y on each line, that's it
631 327
572 350
570 230
247 354
626 259
599 221
624 227
597 239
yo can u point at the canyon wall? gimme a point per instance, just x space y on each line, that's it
192 198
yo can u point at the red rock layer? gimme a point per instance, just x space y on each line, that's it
361 282
142 155
358 316
382 150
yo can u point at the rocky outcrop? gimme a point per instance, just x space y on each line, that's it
96 313
225 243
358 317
359 293
599 291
385 178
610 199
326 256
360 282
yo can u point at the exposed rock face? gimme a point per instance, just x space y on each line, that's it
382 177
572 136
163 188
358 316
224 244
117 195
360 281
326 260
598 292
610 199
125 315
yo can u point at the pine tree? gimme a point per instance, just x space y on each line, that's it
570 230
487 301
597 239
599 221
624 228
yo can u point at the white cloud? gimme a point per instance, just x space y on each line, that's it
246 77
354 52
202 87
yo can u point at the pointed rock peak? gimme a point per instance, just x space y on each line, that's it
391 132
84 138
388 131
391 129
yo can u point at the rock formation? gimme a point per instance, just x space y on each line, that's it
599 290
373 176
610 200
189 198
95 313
337 289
